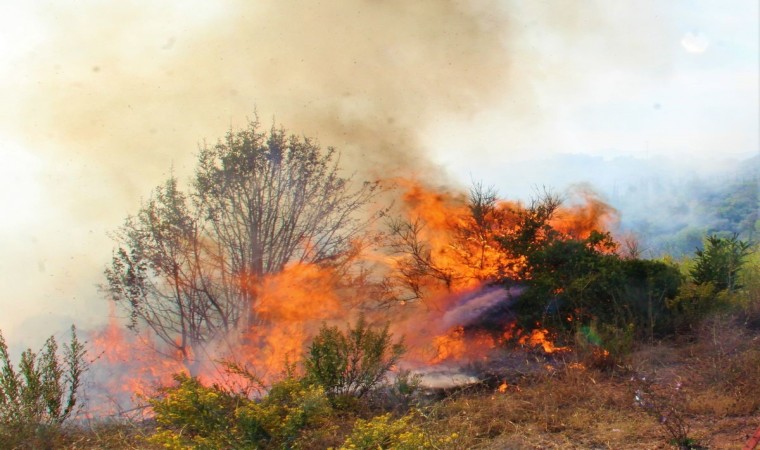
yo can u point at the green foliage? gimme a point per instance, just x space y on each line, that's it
192 415
572 275
202 413
576 282
351 363
644 290
294 412
750 279
695 302
717 282
720 262
402 391
41 394
384 432
292 406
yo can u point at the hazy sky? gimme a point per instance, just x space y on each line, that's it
101 99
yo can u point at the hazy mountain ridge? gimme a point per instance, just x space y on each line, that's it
669 204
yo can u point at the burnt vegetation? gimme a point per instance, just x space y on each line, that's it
581 343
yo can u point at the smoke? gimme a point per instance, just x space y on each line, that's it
138 85
473 307
114 97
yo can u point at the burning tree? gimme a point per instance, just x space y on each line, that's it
540 264
447 243
187 265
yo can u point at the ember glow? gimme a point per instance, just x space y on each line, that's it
445 299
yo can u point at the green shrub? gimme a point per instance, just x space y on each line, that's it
351 363
750 280
292 408
384 432
720 262
294 412
37 398
575 282
643 293
695 302
404 389
718 276
191 415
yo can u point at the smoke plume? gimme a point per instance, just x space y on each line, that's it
114 97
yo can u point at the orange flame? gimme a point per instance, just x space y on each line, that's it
457 346
588 214
290 307
126 366
540 337
458 253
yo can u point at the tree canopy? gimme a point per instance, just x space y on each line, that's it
187 263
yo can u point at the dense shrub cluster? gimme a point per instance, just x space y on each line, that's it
576 282
191 415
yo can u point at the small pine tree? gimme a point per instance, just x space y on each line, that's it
720 261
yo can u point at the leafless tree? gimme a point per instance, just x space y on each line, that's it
187 265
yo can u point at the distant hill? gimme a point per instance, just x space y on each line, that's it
669 204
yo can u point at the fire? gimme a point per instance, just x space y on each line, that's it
539 338
290 308
449 346
453 249
441 268
456 346
588 214
447 249
126 366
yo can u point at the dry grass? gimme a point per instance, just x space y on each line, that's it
726 359
107 435
576 408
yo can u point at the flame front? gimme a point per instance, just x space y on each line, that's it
436 270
